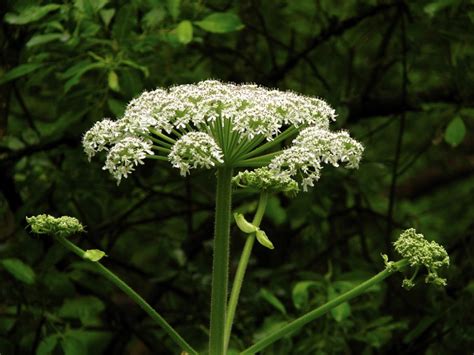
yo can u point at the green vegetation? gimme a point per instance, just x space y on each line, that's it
399 75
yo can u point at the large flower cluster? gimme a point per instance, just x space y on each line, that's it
314 146
211 123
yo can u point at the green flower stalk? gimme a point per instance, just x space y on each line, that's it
63 227
226 127
415 250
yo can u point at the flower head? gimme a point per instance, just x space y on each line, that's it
46 224
211 123
420 252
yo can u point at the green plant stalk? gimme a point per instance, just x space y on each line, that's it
318 312
242 267
220 264
117 281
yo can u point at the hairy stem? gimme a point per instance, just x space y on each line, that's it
220 264
117 281
318 312
243 262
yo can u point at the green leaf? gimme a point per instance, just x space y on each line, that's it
73 346
113 81
340 312
30 14
275 211
106 15
221 22
19 270
47 345
116 107
75 79
124 23
300 293
86 308
243 224
93 254
434 7
184 32
271 298
263 239
46 38
19 71
455 132
174 8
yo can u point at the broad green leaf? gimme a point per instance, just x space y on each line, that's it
455 132
86 308
300 293
174 8
93 254
271 298
340 312
184 31
46 38
73 346
19 270
47 345
19 71
113 81
221 22
30 14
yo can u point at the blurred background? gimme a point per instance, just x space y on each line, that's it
400 75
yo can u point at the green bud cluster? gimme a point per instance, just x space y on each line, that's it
265 179
420 252
62 226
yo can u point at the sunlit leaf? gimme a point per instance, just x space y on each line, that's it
93 254
184 31
113 81
46 38
30 14
455 132
221 22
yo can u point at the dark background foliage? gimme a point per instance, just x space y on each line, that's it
399 73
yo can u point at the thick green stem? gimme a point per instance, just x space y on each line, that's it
242 267
220 264
117 281
318 312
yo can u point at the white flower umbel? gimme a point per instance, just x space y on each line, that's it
125 155
195 150
314 146
211 124
100 136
